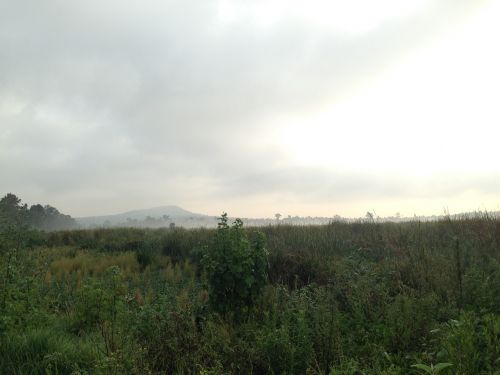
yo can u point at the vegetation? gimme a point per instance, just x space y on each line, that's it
14 213
236 270
358 298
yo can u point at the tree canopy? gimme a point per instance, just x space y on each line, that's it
14 212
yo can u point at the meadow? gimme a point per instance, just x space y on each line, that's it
343 298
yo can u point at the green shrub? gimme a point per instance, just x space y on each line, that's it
100 305
472 344
167 331
236 269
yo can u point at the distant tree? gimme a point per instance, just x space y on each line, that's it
36 216
54 220
277 216
12 212
10 205
10 201
12 224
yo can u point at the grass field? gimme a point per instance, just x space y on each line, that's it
358 298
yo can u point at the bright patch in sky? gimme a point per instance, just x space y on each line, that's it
435 112
353 16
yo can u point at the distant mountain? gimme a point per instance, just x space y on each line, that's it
155 216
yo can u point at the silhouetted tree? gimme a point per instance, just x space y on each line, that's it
13 212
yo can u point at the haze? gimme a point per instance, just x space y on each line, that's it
304 108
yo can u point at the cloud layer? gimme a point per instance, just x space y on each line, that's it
108 106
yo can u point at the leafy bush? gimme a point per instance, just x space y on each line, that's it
100 305
471 344
236 269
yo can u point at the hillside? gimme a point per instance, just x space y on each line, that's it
151 216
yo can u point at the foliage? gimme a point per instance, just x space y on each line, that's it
236 269
361 298
43 351
432 369
471 343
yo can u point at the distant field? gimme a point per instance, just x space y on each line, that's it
342 298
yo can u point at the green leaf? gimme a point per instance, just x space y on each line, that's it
423 367
441 366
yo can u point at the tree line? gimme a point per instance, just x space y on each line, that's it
14 212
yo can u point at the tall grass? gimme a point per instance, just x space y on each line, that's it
44 351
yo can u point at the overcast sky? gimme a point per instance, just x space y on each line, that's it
315 107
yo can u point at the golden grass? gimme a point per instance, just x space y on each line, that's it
179 271
66 263
92 264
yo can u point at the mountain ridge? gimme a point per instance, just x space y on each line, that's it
166 212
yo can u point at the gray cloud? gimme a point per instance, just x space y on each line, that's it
160 99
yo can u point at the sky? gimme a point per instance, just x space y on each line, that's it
314 108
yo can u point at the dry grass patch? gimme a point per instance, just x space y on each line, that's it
93 264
